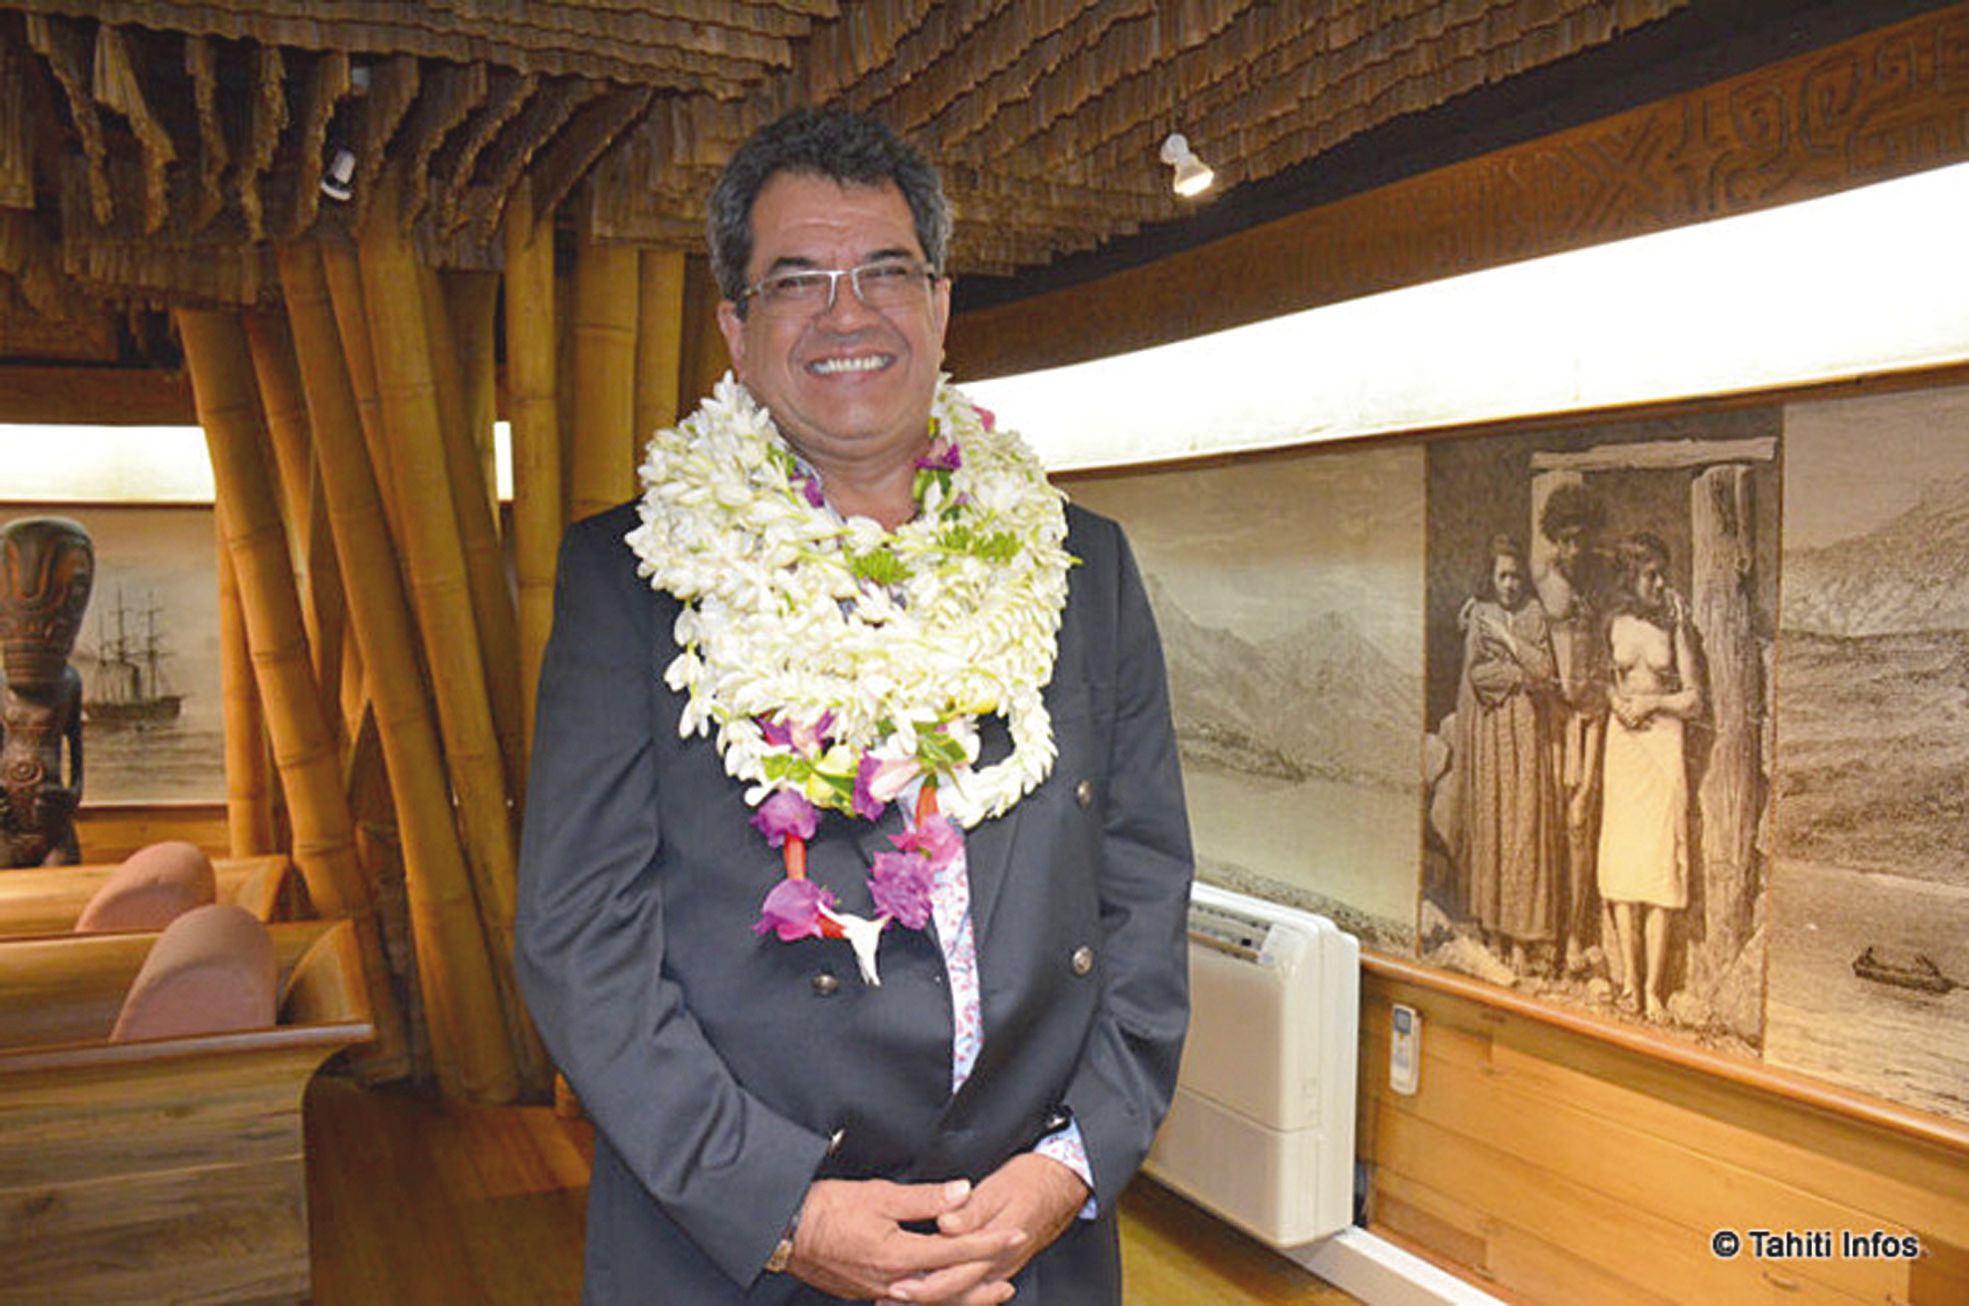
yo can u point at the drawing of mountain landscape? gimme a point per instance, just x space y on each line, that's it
1287 591
1319 702
1870 897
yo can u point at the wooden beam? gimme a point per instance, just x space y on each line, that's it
95 396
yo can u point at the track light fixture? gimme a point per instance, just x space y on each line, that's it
1193 175
338 177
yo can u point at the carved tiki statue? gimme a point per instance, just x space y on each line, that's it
47 566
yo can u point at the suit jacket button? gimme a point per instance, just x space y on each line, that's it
834 1141
1083 793
1082 960
825 985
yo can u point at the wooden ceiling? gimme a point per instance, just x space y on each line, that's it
150 150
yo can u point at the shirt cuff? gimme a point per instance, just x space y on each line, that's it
1065 1146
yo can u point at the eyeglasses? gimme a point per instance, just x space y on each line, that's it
804 292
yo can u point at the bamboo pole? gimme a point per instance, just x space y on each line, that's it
659 345
456 968
318 579
601 470
338 265
478 532
564 385
531 408
471 300
228 405
441 598
249 793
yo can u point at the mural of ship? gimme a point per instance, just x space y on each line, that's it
128 686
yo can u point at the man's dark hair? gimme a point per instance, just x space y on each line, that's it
1568 508
832 142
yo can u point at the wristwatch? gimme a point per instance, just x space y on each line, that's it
783 1252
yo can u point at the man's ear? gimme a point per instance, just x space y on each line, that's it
732 326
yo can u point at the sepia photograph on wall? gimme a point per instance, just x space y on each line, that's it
1286 589
1870 896
147 653
1600 614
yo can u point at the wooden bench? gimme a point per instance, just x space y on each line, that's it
47 900
167 1169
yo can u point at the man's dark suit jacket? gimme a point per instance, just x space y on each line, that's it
725 1072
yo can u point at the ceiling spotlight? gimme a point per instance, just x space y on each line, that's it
341 171
1193 175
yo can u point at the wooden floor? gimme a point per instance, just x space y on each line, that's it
419 1202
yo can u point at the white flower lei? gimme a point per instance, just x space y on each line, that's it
906 637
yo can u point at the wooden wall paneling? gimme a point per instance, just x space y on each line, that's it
1466 1241
1637 1171
1565 1164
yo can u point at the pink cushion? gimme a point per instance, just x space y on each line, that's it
210 972
151 889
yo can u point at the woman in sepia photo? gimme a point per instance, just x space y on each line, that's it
1512 830
1644 826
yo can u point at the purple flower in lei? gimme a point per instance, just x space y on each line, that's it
877 782
785 813
800 738
937 839
944 456
900 883
792 910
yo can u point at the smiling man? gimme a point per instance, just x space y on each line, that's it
855 869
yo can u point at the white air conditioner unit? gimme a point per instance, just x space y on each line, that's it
1261 1131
